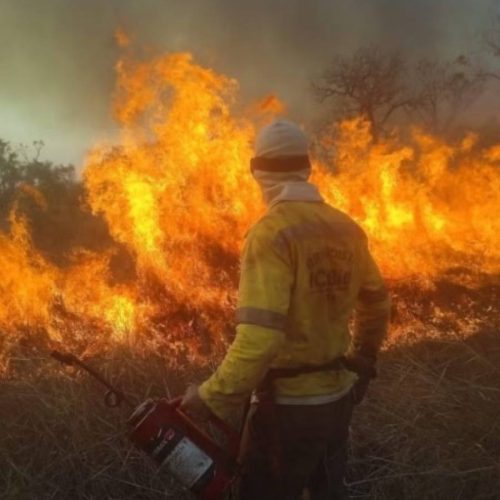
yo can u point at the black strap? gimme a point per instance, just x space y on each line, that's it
364 370
282 164
334 364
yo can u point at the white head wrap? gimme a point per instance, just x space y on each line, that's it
282 139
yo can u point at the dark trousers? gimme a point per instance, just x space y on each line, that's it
313 452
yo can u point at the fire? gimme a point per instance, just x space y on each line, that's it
177 195
28 283
428 207
88 294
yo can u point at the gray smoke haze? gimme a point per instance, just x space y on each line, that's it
57 56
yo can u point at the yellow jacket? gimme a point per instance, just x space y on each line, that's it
305 267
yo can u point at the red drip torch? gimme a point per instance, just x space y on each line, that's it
161 430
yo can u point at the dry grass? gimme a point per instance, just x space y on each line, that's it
58 439
429 428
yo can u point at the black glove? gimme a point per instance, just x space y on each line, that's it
363 366
359 389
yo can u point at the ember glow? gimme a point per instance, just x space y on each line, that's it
177 195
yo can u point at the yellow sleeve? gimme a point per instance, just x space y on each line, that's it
372 311
263 301
244 366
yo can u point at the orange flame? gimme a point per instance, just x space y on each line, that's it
427 206
122 39
28 284
177 193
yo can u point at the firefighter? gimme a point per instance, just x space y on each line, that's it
305 269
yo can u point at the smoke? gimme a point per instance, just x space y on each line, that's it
57 56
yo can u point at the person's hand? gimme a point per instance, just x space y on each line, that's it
193 405
364 367
361 365
359 389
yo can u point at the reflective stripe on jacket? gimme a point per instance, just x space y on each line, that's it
305 267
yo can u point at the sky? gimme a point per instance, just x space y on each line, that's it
57 56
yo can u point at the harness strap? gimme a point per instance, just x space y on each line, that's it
275 373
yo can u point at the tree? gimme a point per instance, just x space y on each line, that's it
51 198
491 39
442 91
18 169
379 86
369 83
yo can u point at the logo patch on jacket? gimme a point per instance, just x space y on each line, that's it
330 270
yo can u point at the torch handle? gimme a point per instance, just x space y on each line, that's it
113 397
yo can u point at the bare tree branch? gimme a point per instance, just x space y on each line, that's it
369 83
444 90
491 40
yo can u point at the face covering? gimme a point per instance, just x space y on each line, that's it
286 186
